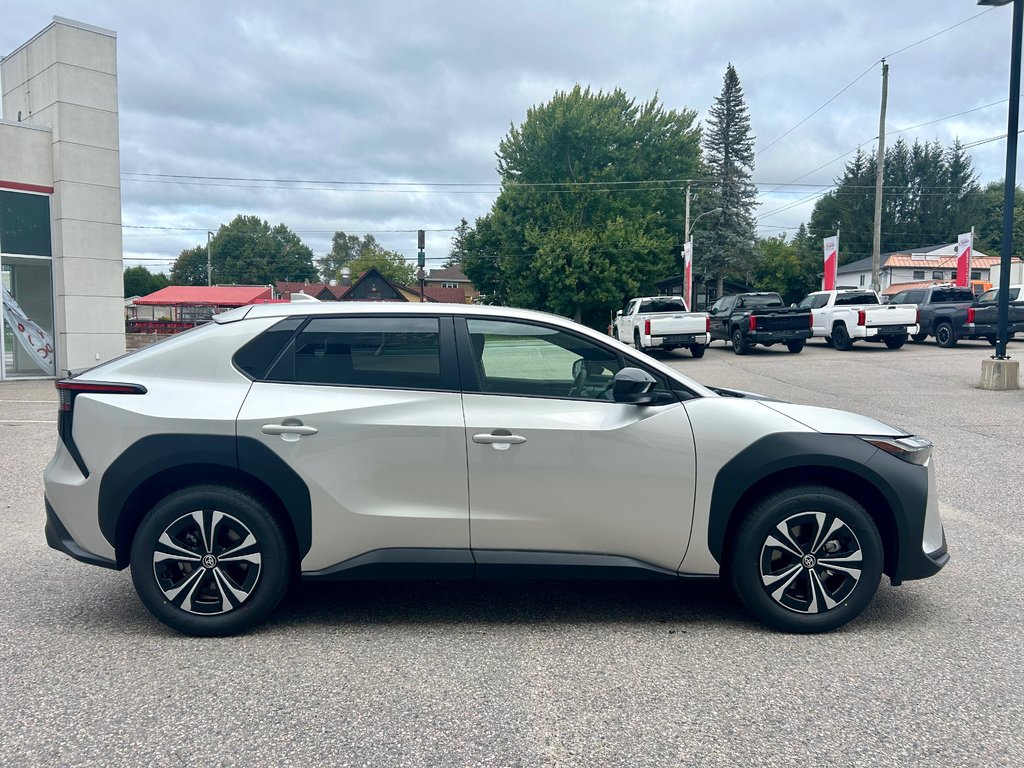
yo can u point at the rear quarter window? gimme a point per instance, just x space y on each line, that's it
256 357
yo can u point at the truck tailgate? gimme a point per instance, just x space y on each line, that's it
682 323
890 314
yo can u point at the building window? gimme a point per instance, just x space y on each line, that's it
25 224
862 279
449 285
919 274
937 274
975 274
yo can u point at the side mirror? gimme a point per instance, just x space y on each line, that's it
631 385
713 311
618 314
793 305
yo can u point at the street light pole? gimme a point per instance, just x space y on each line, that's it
209 264
688 235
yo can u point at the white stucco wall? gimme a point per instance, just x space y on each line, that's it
65 80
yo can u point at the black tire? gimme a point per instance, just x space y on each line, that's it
740 345
841 338
638 344
991 340
895 342
195 592
795 346
697 350
919 337
828 341
794 600
945 336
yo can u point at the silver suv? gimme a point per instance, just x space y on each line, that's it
370 441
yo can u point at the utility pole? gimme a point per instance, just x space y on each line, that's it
876 236
209 270
686 228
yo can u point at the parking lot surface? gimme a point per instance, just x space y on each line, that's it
544 673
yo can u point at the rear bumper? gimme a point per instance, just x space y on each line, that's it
887 331
58 538
759 336
989 329
681 340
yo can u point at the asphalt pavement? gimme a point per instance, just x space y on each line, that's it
539 674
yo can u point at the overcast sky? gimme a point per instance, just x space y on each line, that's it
421 93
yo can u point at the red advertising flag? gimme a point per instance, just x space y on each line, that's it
688 275
828 282
964 247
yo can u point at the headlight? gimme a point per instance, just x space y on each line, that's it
912 449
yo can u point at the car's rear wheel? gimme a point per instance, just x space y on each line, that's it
697 350
210 561
740 345
795 346
895 342
991 340
919 337
945 336
841 338
806 559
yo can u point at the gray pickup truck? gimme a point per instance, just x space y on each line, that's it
950 314
982 318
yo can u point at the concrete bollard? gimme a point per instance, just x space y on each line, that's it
1000 374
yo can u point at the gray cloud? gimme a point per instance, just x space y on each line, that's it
423 92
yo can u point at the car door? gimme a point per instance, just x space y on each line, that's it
819 314
366 410
557 468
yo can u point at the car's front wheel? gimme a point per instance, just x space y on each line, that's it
210 561
806 559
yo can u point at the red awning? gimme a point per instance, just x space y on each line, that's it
205 295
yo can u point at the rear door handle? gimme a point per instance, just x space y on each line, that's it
288 429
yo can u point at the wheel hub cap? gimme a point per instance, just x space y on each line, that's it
207 562
811 562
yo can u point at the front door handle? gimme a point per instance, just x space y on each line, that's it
501 439
288 429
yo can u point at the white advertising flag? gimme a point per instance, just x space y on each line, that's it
33 339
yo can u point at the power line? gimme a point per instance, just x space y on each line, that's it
940 32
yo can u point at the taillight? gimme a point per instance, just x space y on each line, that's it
970 314
707 324
647 327
67 391
862 317
753 323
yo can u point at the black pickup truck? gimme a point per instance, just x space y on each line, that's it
746 319
945 312
983 316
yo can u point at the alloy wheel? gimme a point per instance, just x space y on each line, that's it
811 562
207 562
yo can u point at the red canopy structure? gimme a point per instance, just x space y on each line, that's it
208 296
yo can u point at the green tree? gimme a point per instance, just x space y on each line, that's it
190 267
361 253
930 195
391 264
457 253
987 210
139 281
728 247
248 251
585 217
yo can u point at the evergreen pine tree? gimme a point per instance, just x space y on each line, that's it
727 243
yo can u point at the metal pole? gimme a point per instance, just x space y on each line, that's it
209 271
876 235
1006 249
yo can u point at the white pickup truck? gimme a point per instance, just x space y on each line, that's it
662 322
841 317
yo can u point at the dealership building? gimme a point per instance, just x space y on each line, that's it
61 263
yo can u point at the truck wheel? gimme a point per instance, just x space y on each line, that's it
895 342
841 338
638 344
697 350
945 336
991 340
795 346
919 337
805 559
740 345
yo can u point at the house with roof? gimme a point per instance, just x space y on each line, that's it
916 268
373 286
451 278
178 307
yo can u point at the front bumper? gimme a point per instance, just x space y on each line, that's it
58 538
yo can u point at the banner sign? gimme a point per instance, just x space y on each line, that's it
33 339
964 248
828 282
688 275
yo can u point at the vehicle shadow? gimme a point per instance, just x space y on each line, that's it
510 602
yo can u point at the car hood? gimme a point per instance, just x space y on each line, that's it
832 421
